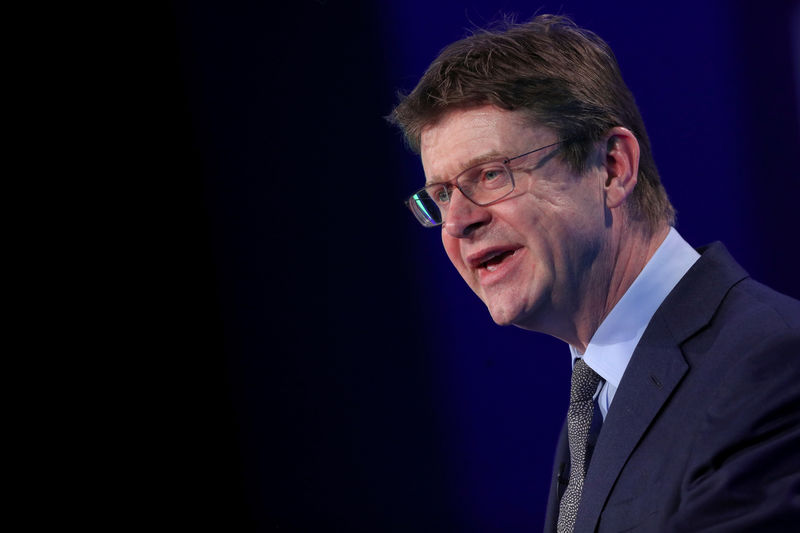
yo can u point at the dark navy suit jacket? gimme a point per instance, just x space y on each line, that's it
704 430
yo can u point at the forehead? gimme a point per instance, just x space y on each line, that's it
464 137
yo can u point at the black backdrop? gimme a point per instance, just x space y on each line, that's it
304 358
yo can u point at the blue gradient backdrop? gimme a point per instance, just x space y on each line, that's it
344 377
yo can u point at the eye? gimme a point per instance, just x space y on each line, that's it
440 193
493 177
492 174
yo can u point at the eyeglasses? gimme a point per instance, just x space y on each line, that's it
483 184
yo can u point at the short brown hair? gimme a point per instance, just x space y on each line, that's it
566 78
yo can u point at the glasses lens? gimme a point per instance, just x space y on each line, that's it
486 183
425 209
482 185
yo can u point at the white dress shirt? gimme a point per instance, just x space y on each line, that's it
612 345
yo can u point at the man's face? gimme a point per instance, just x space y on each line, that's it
531 258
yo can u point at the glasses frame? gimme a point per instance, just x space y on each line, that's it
410 202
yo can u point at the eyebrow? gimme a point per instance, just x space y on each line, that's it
492 155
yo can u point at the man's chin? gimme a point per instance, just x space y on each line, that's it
519 316
508 306
501 316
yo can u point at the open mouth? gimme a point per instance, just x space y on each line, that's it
492 263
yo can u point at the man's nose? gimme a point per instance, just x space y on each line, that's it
463 216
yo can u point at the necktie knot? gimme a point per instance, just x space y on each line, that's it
584 382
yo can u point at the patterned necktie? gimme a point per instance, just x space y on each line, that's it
579 420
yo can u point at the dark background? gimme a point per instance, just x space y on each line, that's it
302 355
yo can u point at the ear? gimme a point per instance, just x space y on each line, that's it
621 164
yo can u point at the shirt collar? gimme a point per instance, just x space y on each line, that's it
612 345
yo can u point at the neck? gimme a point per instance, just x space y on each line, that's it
625 258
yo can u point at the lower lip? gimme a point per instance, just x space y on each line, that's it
502 270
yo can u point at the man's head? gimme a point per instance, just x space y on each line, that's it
544 254
556 74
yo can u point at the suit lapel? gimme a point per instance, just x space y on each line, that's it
652 375
655 370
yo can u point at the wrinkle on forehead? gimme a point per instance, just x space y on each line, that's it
492 155
463 138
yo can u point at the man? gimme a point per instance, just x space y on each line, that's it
539 170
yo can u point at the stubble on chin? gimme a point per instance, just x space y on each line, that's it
501 306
